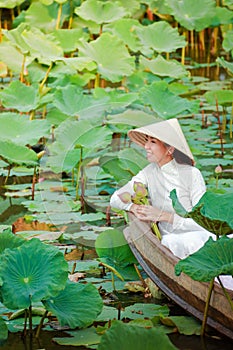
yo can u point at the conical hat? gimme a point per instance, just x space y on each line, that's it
168 131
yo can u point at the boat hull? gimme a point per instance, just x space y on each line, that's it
159 262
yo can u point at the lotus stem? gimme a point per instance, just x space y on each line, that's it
25 323
140 276
183 56
22 69
45 78
219 127
41 324
33 183
8 175
211 286
30 319
59 16
225 293
71 14
231 121
97 80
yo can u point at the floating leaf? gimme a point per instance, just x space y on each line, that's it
81 337
3 331
164 68
20 96
15 154
22 130
164 102
9 240
213 259
185 325
77 305
193 15
139 310
159 37
100 12
222 97
116 64
134 337
30 273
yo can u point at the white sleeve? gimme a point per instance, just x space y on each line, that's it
116 202
197 189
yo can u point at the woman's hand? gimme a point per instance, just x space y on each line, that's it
150 213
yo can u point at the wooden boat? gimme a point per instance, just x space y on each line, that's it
158 262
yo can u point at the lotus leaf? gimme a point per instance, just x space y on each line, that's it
112 246
116 64
68 38
228 41
140 310
209 213
15 38
47 19
132 117
30 273
125 29
164 102
77 305
9 4
159 37
3 331
192 15
71 134
223 97
225 64
22 130
213 259
15 154
9 240
100 12
160 66
185 324
134 337
82 337
21 97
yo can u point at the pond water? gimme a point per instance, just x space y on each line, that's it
81 250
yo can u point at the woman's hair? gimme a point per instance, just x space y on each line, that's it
180 157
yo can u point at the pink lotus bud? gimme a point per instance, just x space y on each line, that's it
125 197
140 189
218 169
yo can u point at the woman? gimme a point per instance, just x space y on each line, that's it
171 167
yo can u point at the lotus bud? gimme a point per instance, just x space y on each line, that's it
140 189
125 197
218 169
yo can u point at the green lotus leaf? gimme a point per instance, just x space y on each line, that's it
3 331
140 310
30 273
68 38
132 117
22 130
9 4
47 19
9 240
185 324
112 246
65 162
123 165
222 16
71 101
227 43
159 37
223 97
208 212
114 65
100 12
161 67
80 338
42 46
164 102
192 15
15 38
125 29
134 337
225 64
77 305
213 259
71 134
20 96
15 154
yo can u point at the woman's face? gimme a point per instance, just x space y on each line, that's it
157 152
